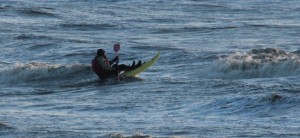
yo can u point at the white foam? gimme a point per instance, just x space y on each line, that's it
20 72
258 63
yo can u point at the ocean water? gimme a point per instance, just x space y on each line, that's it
228 68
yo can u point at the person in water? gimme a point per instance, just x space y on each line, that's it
105 68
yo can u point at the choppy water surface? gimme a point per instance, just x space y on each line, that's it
227 68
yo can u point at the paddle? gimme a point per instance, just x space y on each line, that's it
116 49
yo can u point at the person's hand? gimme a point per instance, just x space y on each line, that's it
117 59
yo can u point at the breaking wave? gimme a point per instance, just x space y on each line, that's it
36 71
119 135
258 63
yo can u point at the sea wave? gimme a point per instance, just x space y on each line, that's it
258 63
32 36
273 104
88 26
37 12
47 37
193 28
4 8
119 135
42 72
4 126
29 11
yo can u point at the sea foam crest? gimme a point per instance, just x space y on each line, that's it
20 72
258 63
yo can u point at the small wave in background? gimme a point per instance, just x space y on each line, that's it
271 105
37 12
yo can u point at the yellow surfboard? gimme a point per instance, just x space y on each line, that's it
142 68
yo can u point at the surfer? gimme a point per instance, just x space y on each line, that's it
105 68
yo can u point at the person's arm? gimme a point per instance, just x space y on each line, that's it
102 63
113 60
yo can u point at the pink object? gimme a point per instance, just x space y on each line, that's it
117 47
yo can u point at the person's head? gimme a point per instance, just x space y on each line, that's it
100 52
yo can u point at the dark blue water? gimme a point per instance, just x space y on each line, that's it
227 68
